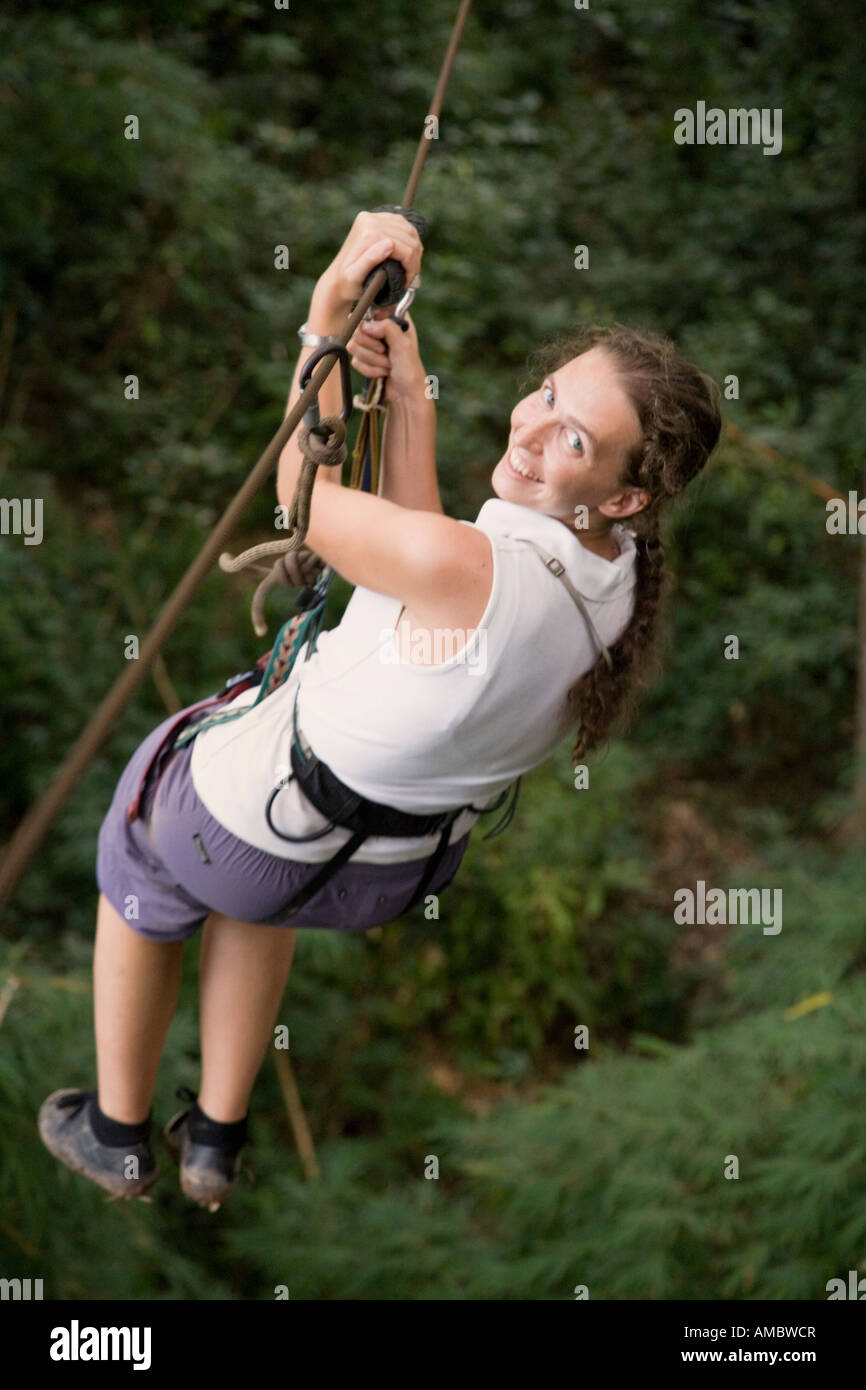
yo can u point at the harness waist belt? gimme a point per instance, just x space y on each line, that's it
333 799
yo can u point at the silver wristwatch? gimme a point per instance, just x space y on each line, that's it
311 339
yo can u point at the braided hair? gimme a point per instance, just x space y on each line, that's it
678 408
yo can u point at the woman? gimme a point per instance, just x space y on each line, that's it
460 663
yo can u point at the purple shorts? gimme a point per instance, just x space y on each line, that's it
167 870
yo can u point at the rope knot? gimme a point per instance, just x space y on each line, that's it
324 444
361 404
374 400
296 567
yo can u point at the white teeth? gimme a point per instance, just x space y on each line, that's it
519 467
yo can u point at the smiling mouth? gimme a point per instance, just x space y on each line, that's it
520 470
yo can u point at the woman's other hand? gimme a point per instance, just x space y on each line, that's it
379 347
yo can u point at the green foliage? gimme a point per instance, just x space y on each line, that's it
614 1176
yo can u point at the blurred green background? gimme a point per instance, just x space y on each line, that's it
558 1167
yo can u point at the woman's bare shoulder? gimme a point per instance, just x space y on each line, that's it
465 569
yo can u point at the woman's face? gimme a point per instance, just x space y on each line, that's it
573 435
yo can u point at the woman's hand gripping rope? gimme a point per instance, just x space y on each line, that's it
380 348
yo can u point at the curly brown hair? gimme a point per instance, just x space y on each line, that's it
679 410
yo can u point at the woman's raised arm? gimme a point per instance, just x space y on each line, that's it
373 237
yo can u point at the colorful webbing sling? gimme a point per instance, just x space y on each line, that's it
279 662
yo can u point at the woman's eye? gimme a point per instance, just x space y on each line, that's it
576 441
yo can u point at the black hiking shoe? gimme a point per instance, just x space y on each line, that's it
208 1174
65 1130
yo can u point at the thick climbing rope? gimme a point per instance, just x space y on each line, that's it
322 446
296 566
35 825
294 569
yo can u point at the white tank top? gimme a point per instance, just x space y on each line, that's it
424 738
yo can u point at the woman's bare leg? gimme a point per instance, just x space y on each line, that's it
242 976
135 990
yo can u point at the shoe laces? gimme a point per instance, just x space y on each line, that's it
205 1126
76 1102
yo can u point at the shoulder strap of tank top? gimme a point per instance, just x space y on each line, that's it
558 568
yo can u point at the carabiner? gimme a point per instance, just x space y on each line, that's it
401 307
333 345
281 834
404 304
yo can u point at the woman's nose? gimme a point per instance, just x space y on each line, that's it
529 431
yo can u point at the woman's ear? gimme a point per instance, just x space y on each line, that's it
625 503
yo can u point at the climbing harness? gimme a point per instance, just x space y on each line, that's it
331 797
341 806
363 817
